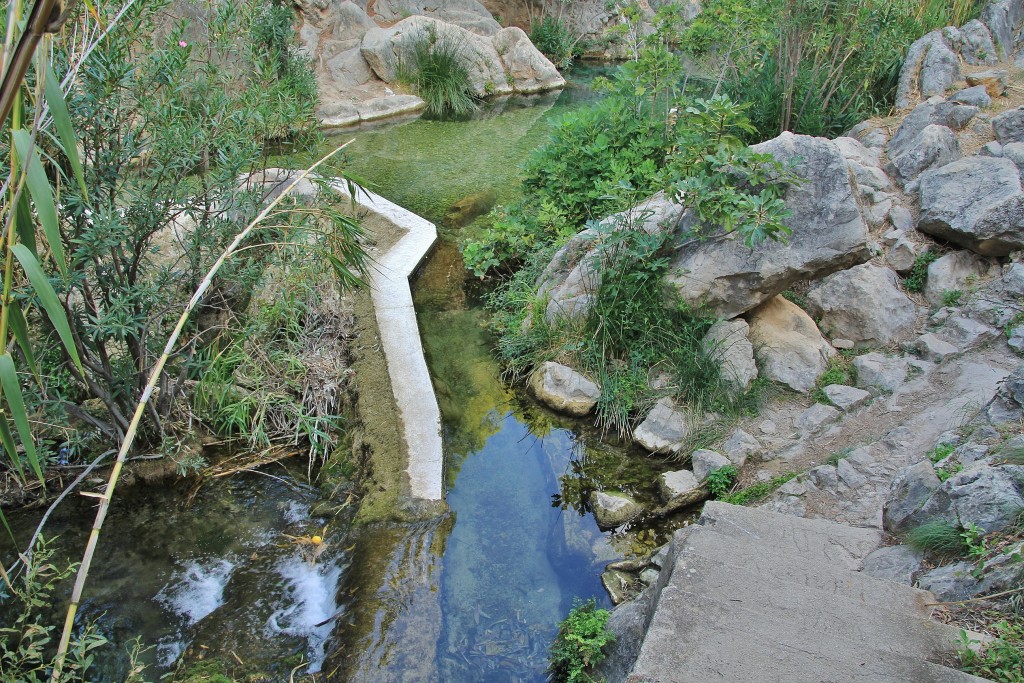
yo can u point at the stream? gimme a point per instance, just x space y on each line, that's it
474 596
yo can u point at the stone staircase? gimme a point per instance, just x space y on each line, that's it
750 595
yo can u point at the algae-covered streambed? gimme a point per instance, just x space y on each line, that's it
475 595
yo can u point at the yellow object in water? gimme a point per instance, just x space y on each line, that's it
316 540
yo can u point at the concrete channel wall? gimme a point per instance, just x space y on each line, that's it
403 349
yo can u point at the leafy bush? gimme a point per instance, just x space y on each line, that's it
918 276
439 75
999 660
759 491
552 37
721 480
579 645
941 452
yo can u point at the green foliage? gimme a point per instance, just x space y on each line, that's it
553 38
948 471
840 371
759 491
721 480
579 644
1000 660
915 281
438 73
952 297
938 537
813 66
26 640
941 452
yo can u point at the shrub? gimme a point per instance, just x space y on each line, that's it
759 491
915 281
1001 659
938 537
439 75
721 480
552 37
579 645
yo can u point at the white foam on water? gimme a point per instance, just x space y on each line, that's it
296 512
197 589
309 599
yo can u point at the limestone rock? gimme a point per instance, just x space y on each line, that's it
934 348
613 509
976 96
1008 402
788 345
869 135
994 81
829 234
527 69
937 112
816 418
728 343
846 398
663 430
952 272
977 202
930 68
468 14
985 496
1014 151
897 563
977 47
740 446
934 147
881 372
681 488
1002 17
1009 126
950 582
705 462
902 255
910 490
563 389
863 304
901 218
968 333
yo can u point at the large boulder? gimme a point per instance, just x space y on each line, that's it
525 67
563 389
930 68
829 234
976 202
468 14
728 343
977 46
934 147
985 496
387 50
788 345
1002 18
863 304
936 112
1009 126
880 372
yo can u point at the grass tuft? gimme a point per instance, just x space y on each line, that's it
938 537
439 75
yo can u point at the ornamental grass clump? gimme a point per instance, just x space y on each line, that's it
438 74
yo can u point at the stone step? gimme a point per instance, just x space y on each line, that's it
766 601
812 538
762 559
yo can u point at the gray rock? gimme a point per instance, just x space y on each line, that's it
788 345
869 135
682 488
1014 151
1009 126
1007 404
846 398
881 372
648 576
933 147
991 149
1012 279
985 496
728 343
1002 18
975 202
705 462
975 96
930 68
829 234
768 427
563 389
911 489
619 585
951 582
469 14
934 348
901 218
849 475
934 112
953 272
1016 339
897 563
816 418
863 304
977 47
740 446
968 333
824 477
663 430
901 256
995 81
613 509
